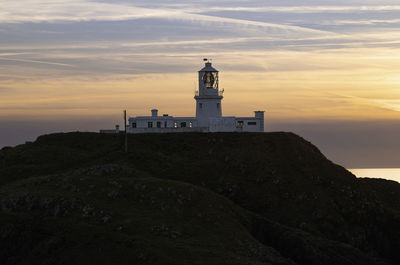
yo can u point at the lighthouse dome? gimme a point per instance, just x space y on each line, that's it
208 68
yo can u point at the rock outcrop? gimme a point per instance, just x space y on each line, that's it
224 198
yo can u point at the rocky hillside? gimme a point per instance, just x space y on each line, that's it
225 198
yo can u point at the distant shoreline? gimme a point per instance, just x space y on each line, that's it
384 173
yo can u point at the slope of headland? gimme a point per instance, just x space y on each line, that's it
221 198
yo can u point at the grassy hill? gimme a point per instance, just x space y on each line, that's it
223 198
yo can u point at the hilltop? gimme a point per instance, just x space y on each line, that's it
190 198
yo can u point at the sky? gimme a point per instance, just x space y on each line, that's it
326 70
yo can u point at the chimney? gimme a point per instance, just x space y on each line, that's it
259 114
154 112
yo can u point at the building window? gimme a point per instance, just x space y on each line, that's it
200 105
191 124
175 125
150 124
252 123
240 124
183 124
133 124
159 124
165 124
217 105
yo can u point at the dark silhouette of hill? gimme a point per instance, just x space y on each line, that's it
223 198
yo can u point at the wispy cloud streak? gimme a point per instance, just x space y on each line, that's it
307 9
34 61
79 10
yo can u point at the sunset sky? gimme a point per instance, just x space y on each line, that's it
327 70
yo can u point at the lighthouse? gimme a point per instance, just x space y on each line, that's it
208 118
208 97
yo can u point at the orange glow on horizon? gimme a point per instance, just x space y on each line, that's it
350 84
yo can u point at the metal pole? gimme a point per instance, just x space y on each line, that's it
126 133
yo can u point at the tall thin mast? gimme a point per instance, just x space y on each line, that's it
126 133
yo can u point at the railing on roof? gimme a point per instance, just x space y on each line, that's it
220 92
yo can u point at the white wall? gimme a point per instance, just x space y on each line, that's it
249 124
208 108
225 124
169 121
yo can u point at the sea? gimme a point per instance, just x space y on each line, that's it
383 173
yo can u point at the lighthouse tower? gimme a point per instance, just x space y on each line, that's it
208 97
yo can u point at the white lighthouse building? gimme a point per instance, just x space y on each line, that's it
208 97
208 113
